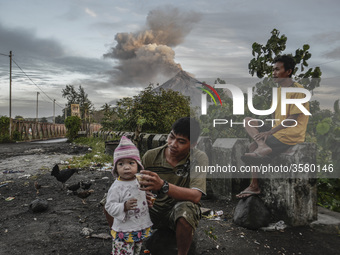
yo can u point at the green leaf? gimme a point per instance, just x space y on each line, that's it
306 47
322 128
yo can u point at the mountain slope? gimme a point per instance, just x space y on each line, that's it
186 85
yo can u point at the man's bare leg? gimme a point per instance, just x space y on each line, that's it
262 148
256 149
184 234
253 187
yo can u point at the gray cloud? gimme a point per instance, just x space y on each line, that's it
45 55
333 54
46 63
24 42
327 37
145 54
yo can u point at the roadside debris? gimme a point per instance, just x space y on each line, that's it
12 171
24 176
280 225
4 182
106 167
86 231
211 215
101 236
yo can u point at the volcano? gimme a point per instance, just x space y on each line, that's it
186 85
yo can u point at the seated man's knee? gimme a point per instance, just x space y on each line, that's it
183 225
251 122
186 214
246 119
182 221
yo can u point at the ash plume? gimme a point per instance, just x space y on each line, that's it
145 54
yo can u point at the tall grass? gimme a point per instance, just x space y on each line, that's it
96 154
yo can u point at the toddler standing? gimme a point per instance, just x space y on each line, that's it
126 203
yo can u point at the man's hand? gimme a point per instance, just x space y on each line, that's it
150 181
262 136
288 122
130 204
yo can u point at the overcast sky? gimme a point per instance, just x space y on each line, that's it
115 48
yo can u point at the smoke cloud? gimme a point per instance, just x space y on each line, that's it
145 54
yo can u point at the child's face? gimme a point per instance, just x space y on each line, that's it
127 168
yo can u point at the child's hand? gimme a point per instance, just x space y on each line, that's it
130 204
150 199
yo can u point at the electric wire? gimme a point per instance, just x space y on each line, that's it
36 84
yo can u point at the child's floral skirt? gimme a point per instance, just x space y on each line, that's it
128 243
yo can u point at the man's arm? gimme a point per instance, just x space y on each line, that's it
152 181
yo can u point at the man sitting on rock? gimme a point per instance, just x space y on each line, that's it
270 142
179 190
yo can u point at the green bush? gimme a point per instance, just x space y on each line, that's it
16 136
4 129
72 124
329 193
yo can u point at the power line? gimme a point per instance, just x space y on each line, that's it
36 84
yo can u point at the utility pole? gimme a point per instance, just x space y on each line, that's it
10 94
65 111
36 118
53 111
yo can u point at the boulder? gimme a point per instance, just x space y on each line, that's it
251 213
38 205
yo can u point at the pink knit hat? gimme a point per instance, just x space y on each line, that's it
126 149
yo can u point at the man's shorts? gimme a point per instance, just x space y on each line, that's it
167 219
276 146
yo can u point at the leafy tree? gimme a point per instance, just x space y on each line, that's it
325 131
151 111
77 97
18 117
261 64
59 119
72 124
43 120
107 121
4 129
329 193
326 125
